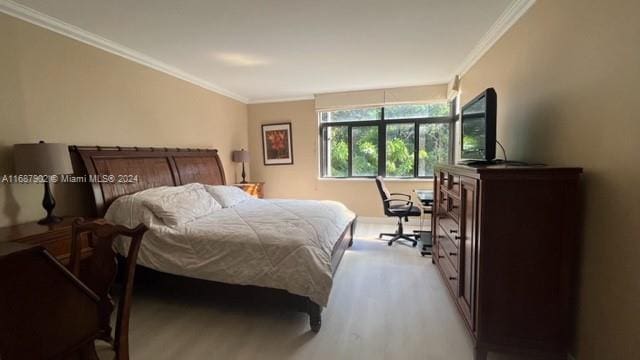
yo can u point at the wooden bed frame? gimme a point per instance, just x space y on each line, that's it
126 170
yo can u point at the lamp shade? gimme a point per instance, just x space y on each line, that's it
42 159
240 156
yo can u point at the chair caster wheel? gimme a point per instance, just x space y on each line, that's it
389 243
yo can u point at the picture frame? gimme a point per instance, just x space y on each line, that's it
277 144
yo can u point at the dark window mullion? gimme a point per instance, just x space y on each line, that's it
452 132
350 156
416 147
323 151
349 123
382 146
435 120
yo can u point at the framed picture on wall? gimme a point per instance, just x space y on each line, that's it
277 146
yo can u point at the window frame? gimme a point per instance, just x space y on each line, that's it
382 142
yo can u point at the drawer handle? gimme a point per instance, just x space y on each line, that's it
453 254
458 237
455 206
453 231
453 278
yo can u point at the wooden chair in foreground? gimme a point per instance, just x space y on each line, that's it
98 272
45 311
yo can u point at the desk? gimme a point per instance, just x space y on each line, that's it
425 204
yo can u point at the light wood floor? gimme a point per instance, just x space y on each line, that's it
386 303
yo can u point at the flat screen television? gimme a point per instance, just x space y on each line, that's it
478 124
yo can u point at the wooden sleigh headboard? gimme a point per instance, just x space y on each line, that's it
126 170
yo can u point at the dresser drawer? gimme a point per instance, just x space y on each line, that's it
450 228
449 182
59 248
450 250
443 202
448 271
58 243
454 184
444 179
453 207
55 238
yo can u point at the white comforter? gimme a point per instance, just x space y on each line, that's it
284 244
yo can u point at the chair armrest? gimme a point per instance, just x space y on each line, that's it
406 202
398 212
401 194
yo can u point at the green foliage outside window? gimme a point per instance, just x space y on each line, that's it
352 115
339 151
400 149
412 111
365 150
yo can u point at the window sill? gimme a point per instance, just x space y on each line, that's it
372 179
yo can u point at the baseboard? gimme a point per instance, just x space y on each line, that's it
413 221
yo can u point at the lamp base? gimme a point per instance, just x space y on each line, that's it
50 220
49 203
244 175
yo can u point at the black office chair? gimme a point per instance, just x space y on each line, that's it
400 208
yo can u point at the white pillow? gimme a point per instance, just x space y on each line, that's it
178 205
227 196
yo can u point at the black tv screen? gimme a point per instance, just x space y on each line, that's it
479 128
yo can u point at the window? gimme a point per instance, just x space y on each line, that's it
403 141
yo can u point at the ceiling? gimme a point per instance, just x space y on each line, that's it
286 49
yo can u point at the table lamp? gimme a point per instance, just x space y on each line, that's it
43 159
241 156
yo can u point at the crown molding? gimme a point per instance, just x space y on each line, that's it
495 32
32 16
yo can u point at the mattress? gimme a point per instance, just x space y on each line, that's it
282 244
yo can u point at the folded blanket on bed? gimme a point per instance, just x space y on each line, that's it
282 244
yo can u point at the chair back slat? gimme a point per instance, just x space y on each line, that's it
99 271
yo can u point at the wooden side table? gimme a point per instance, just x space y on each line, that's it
56 238
254 189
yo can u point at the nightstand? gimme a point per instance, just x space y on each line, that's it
253 188
56 238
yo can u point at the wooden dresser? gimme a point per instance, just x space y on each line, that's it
254 189
505 242
56 238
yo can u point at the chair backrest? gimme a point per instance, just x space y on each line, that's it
98 272
45 311
384 193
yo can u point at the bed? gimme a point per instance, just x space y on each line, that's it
298 264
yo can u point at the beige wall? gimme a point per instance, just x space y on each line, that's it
301 180
59 90
567 79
